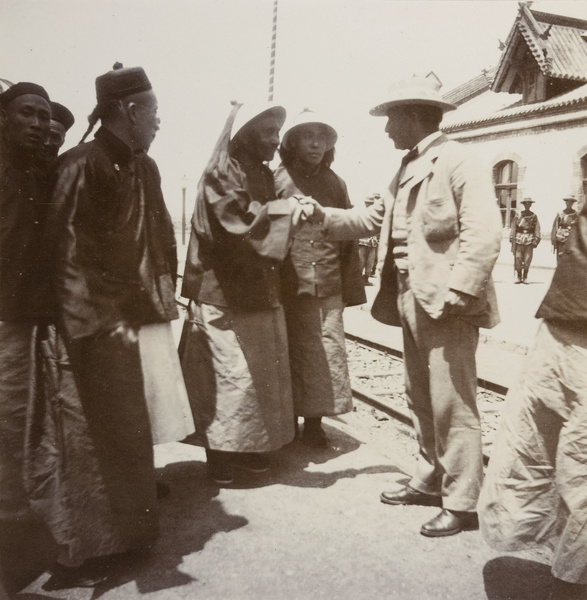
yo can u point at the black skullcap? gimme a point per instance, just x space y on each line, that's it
62 114
121 82
21 89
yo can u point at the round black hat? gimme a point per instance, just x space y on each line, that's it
121 82
21 89
62 114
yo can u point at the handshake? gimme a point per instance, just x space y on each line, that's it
307 209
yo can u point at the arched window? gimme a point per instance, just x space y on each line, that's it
505 177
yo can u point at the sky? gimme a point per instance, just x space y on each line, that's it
334 56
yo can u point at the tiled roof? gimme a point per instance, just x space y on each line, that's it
558 44
471 88
456 120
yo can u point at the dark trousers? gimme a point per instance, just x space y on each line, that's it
110 384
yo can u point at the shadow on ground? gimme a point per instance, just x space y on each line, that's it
192 514
512 578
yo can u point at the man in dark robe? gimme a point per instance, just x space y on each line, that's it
25 115
115 269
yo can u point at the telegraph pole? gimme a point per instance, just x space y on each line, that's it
184 182
273 47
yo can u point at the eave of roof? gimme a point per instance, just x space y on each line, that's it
556 43
472 88
575 99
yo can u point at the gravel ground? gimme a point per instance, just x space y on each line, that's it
381 375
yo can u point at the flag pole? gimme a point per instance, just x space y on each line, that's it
273 46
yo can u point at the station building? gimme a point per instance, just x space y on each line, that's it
527 117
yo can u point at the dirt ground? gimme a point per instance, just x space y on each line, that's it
312 528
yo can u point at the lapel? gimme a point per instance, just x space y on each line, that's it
422 166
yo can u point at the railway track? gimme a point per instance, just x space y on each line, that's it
377 379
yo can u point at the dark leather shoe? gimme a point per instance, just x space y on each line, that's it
408 495
449 522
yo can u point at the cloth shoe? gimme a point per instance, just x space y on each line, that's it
219 467
253 462
87 575
449 522
408 495
313 434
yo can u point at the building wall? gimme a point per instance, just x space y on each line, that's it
548 160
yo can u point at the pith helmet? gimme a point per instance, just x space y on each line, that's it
307 117
415 90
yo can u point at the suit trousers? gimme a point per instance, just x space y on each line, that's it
441 390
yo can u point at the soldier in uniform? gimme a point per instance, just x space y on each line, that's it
524 237
562 226
368 248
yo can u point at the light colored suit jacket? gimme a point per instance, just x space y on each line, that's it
453 230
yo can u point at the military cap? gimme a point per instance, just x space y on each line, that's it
62 114
121 82
21 89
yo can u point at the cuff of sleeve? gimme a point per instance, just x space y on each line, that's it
281 207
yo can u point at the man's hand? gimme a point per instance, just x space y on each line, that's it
305 210
313 210
456 302
127 335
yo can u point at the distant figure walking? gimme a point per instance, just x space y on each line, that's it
562 226
524 237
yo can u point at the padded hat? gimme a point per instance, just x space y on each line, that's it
307 117
121 82
21 89
62 114
415 90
